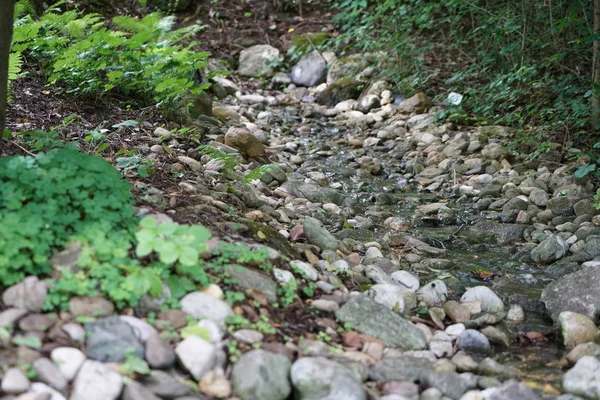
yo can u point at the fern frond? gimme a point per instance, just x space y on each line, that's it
23 7
256 173
15 62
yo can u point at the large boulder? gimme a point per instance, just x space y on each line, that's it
577 292
419 103
257 61
310 70
584 378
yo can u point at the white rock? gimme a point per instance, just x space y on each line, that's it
455 330
95 381
389 295
201 305
373 252
282 275
14 381
214 332
214 291
69 360
197 356
308 269
142 329
39 387
407 280
490 302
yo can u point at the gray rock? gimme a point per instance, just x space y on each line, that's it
310 70
47 372
110 339
400 369
260 374
494 151
319 236
490 302
29 294
505 233
96 382
14 381
539 197
346 67
69 360
450 384
561 205
197 356
159 353
135 391
314 193
473 340
249 336
577 292
320 379
549 250
165 385
201 305
256 61
248 278
368 316
584 378
591 248
575 328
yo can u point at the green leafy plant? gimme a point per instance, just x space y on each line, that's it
172 242
141 166
47 200
141 59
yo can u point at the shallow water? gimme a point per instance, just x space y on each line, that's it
514 281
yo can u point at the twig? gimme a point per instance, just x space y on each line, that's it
23 148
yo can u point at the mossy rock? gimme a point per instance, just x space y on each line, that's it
343 89
272 237
305 42
346 67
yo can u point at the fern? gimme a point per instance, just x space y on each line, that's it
15 62
228 160
23 7
257 173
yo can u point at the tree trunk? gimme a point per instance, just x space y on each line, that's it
596 68
7 8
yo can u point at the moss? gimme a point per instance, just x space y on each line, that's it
272 238
304 43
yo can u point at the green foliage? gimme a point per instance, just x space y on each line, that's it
523 64
228 160
134 365
15 62
597 200
141 59
172 242
141 166
47 200
256 173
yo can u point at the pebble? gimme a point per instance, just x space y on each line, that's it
95 381
14 381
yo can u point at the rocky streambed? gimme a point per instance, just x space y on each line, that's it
438 265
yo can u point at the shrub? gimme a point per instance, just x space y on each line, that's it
46 200
141 59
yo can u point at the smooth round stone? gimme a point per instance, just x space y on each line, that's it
325 305
14 381
249 336
473 340
575 328
455 330
406 279
68 360
515 314
373 252
490 302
